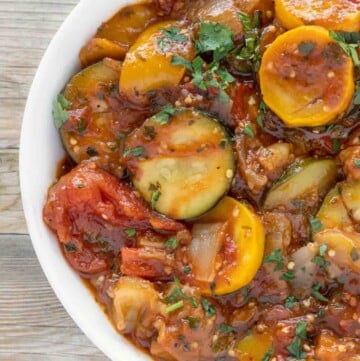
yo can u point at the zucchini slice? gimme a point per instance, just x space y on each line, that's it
333 213
302 186
182 164
350 193
92 129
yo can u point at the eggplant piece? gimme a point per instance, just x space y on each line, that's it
302 186
92 129
183 164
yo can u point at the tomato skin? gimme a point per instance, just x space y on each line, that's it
89 210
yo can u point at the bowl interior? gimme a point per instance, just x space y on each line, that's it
40 151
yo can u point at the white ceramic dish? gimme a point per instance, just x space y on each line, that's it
40 151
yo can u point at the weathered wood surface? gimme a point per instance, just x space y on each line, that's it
33 324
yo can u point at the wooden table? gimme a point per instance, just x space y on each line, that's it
33 324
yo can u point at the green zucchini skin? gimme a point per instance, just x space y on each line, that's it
183 167
92 130
302 186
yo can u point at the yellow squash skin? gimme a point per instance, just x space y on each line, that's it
331 14
245 229
306 78
148 67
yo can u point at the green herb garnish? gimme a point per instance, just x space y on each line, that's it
135 152
208 307
164 115
130 232
172 243
60 113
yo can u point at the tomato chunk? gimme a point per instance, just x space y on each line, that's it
89 210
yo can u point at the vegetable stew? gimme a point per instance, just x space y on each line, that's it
210 194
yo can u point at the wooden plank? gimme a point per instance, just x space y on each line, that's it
33 324
26 28
12 217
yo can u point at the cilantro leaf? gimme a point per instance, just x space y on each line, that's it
315 224
135 152
248 130
172 243
208 307
178 60
290 301
277 258
60 113
268 355
130 232
315 291
164 115
226 328
214 37
349 49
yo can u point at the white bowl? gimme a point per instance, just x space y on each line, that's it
40 152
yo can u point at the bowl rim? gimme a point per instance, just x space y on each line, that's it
117 347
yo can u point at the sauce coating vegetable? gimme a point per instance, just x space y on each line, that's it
212 198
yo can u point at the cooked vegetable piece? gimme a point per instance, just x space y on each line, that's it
147 64
345 244
302 186
306 78
230 250
333 213
97 49
224 13
114 37
136 304
185 165
126 25
89 210
331 14
350 193
97 121
254 347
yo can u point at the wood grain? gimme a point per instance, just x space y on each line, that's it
33 324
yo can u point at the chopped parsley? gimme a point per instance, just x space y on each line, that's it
130 232
155 196
218 39
187 269
357 94
315 224
208 307
315 291
170 36
250 51
178 294
193 322
290 302
335 145
248 130
349 49
80 185
60 113
223 327
172 243
357 163
295 347
70 247
320 260
134 152
288 276
268 355
163 117
321 313
277 258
